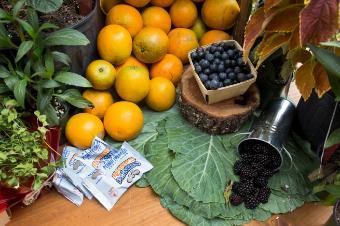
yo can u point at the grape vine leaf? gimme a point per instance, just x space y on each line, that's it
318 21
305 81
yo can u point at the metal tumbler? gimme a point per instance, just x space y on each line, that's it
272 128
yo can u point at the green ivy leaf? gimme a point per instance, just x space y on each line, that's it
45 6
61 57
66 36
74 97
23 49
27 27
20 92
73 79
333 139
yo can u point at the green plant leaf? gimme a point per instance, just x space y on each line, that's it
49 64
4 15
335 84
66 36
27 27
20 92
44 99
45 6
74 97
61 57
5 41
333 139
17 7
73 79
4 73
23 49
52 118
331 44
45 26
48 84
3 88
11 81
32 18
329 60
333 190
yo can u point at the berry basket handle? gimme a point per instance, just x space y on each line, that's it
236 135
289 156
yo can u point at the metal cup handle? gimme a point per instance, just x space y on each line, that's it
235 135
289 156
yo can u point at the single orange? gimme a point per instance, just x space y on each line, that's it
137 3
181 41
101 74
101 101
157 17
123 121
183 13
162 94
132 83
114 44
126 16
214 36
220 14
162 3
106 5
170 67
82 128
131 61
150 45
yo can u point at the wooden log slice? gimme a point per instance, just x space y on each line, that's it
223 117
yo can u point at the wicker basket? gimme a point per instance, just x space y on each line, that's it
213 96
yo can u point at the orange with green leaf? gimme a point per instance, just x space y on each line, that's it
306 31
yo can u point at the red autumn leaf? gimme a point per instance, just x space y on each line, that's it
294 41
286 20
321 80
276 42
318 21
269 4
265 40
253 30
304 79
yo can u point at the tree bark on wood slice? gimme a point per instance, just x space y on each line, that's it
223 117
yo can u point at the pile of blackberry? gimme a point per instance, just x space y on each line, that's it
257 164
220 65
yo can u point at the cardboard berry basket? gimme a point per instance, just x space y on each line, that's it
227 92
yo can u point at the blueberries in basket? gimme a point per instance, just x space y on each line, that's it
220 65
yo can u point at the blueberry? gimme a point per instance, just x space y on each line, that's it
194 55
217 54
241 77
230 53
204 63
216 44
220 48
221 68
222 75
207 71
237 69
207 84
212 49
224 56
249 76
228 70
232 62
198 69
213 76
213 67
200 54
220 84
214 84
227 63
240 61
217 61
227 82
209 57
232 75
203 77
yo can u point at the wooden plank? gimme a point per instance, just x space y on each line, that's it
139 206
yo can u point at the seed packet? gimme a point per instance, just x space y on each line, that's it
67 189
117 170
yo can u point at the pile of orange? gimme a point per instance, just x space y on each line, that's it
143 48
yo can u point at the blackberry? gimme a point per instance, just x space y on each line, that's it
248 172
257 166
238 165
266 172
262 158
251 202
263 195
246 187
247 157
235 199
235 188
275 161
261 181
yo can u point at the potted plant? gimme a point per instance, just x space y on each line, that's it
29 71
305 32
